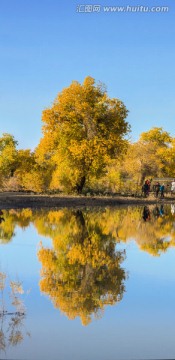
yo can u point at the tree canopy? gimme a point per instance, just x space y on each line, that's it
150 155
82 130
8 154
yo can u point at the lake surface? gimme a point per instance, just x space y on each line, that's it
88 284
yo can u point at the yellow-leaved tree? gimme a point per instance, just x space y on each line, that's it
150 156
82 130
8 156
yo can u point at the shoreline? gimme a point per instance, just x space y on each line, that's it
23 200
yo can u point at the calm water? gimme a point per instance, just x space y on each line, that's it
87 284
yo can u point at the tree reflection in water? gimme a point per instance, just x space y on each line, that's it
153 231
82 272
12 313
11 219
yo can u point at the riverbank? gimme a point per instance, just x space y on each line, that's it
14 200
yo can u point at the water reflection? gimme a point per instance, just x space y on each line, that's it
82 270
1 216
12 313
149 224
11 219
146 213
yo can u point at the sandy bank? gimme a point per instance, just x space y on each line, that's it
22 200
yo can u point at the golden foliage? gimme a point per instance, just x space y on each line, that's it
82 130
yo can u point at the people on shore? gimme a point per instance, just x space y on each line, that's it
157 189
162 190
146 187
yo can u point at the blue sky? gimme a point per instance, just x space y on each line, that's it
44 45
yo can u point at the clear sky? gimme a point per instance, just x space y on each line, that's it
44 45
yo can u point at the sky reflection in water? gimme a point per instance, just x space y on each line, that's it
111 270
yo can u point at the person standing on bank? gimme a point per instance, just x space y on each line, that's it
157 189
162 190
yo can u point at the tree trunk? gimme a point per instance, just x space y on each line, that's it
80 185
142 177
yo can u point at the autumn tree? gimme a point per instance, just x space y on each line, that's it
168 156
82 130
8 155
27 173
30 175
147 156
